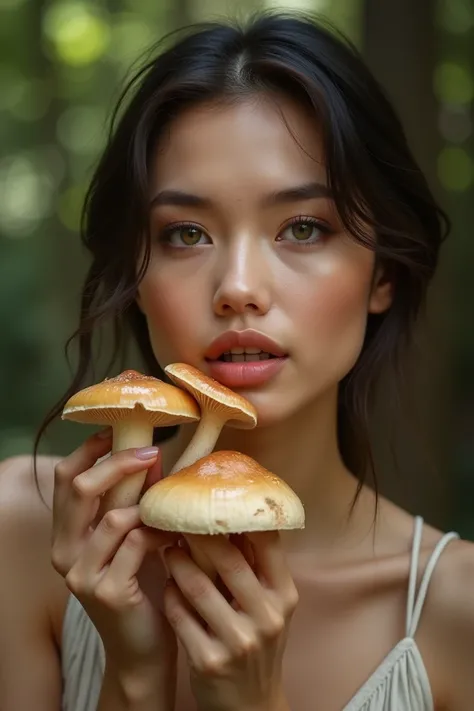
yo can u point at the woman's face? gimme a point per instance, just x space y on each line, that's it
242 258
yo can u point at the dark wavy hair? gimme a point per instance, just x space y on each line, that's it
380 193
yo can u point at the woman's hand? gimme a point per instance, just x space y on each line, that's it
112 564
234 642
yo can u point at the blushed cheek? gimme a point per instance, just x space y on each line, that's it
170 317
336 318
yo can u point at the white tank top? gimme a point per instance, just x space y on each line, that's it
399 682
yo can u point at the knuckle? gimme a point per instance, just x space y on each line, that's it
75 582
210 665
273 620
61 471
60 560
292 599
82 485
174 613
234 565
136 539
198 587
105 592
112 522
274 626
245 644
175 617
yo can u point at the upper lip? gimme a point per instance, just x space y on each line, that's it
242 339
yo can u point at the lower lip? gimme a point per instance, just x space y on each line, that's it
245 374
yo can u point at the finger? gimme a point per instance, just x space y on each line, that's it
130 555
80 506
154 474
202 650
204 598
267 593
265 605
104 475
106 538
238 577
120 546
240 541
270 562
84 457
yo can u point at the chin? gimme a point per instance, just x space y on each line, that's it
270 418
291 401
273 407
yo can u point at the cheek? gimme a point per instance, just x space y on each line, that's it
171 319
333 316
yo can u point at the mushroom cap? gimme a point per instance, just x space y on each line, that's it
115 399
211 395
225 492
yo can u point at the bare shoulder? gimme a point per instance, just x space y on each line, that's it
26 521
18 485
451 594
30 588
449 621
26 524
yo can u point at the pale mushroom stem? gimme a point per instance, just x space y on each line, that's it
202 443
203 440
131 432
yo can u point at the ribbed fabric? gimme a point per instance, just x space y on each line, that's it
83 660
400 682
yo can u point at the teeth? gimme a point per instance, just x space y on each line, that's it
239 351
232 357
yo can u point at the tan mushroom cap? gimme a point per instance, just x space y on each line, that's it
213 396
225 492
114 399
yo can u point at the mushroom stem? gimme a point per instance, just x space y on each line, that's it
134 431
202 443
203 440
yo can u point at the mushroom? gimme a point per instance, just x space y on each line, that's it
219 406
222 493
133 404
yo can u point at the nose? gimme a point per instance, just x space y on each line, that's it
243 281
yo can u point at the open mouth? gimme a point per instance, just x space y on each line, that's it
248 365
240 355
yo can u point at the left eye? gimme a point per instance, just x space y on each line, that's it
303 231
184 235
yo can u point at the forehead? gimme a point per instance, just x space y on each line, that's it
261 138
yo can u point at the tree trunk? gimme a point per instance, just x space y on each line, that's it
400 46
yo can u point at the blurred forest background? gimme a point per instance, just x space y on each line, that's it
62 64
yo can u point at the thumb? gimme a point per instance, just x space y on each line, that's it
154 474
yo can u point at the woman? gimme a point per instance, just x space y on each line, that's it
258 185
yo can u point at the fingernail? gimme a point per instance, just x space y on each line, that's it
104 434
146 452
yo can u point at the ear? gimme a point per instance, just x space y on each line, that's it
381 295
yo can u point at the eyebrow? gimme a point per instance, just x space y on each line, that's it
308 191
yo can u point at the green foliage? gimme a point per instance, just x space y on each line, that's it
61 66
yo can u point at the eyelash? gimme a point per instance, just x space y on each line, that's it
300 219
324 229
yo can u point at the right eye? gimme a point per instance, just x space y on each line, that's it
183 235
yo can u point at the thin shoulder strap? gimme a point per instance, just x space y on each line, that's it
415 603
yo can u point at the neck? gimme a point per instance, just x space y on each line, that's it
303 451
